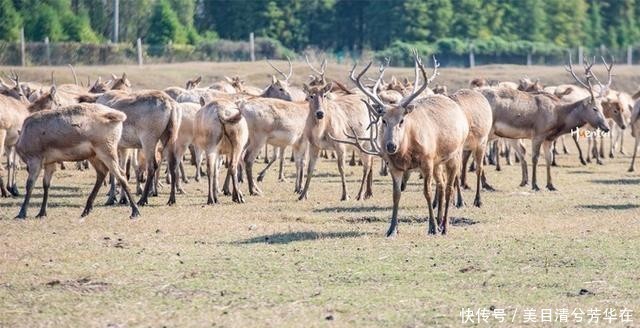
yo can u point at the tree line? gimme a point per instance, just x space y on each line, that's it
334 25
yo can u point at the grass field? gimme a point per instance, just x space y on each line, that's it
275 261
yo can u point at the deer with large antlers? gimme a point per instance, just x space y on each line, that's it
543 117
427 134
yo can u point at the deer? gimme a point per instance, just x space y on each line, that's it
335 118
543 117
427 134
281 88
13 111
220 128
635 129
175 91
152 117
71 133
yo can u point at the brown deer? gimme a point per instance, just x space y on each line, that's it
426 134
543 117
72 133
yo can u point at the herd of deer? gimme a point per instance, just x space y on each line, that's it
410 126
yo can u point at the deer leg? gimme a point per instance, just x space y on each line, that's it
299 150
13 189
152 166
635 151
521 153
111 194
198 163
108 159
46 183
172 158
212 177
536 143
249 158
352 161
459 199
452 168
507 153
340 151
234 162
622 143
438 175
281 177
463 176
405 179
612 140
601 153
266 153
396 177
384 168
478 153
3 189
274 157
33 167
314 152
547 158
427 173
101 173
575 139
497 156
554 152
365 190
227 180
596 154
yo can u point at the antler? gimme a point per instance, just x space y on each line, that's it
416 93
286 77
75 77
604 88
587 72
356 143
13 77
357 80
323 67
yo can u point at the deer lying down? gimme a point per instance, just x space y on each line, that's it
220 128
72 133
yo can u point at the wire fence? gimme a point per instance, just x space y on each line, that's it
63 53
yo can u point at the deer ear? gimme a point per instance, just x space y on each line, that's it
52 91
273 79
409 109
327 88
113 76
305 88
198 80
202 101
228 79
124 76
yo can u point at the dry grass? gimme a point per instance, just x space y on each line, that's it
258 73
275 261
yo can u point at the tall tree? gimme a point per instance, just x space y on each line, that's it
165 25
10 21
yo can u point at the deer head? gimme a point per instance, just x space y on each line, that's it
592 112
16 91
193 83
317 96
120 83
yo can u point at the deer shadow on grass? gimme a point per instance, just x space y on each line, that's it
294 236
617 181
609 206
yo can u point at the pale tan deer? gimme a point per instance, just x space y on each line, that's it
426 134
13 111
72 133
220 128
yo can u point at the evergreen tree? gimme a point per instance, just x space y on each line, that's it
165 25
10 21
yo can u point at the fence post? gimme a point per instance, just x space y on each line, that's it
47 50
252 47
580 55
139 47
23 59
529 59
116 20
472 58
629 55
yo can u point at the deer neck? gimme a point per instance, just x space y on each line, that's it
570 116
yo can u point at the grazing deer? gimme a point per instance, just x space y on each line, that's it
220 128
427 134
72 133
542 117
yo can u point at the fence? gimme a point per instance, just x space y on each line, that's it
49 53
